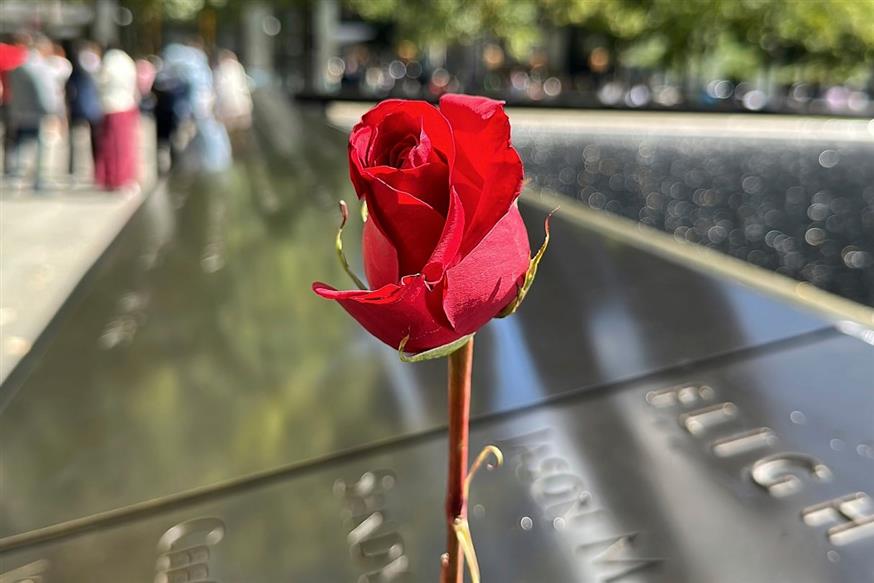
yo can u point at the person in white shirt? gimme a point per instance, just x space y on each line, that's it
116 160
233 99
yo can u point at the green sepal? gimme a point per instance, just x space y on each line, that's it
344 216
363 211
438 352
530 274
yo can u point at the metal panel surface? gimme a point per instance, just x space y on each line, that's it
659 481
199 355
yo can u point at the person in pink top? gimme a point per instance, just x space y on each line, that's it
146 72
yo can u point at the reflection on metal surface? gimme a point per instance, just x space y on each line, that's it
705 259
863 333
185 550
780 474
565 503
34 572
603 485
616 557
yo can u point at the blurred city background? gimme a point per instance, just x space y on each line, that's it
792 56
742 125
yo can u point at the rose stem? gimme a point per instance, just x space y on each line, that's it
460 365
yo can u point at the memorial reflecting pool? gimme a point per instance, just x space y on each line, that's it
196 377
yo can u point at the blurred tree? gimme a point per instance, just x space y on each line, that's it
820 40
516 22
836 35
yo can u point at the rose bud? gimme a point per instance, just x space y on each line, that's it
445 249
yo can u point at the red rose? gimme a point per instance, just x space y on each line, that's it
445 249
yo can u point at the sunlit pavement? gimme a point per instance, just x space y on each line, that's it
51 238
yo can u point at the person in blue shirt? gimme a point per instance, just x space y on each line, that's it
83 99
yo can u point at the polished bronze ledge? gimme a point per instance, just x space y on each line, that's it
199 389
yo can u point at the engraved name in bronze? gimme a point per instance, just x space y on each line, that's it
566 504
374 540
185 549
704 416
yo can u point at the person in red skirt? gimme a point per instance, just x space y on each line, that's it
116 163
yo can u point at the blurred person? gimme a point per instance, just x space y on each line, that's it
61 68
116 162
146 72
12 56
210 144
233 100
33 98
55 128
171 110
83 100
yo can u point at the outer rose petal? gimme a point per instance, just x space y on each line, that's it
488 171
488 278
380 257
395 311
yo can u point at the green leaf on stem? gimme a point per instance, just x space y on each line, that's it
438 352
531 273
344 216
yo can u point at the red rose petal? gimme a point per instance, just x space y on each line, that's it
359 151
380 257
488 278
412 226
428 182
430 118
488 171
393 313
446 250
398 134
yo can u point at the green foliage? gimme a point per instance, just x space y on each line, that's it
449 21
824 40
737 35
817 37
